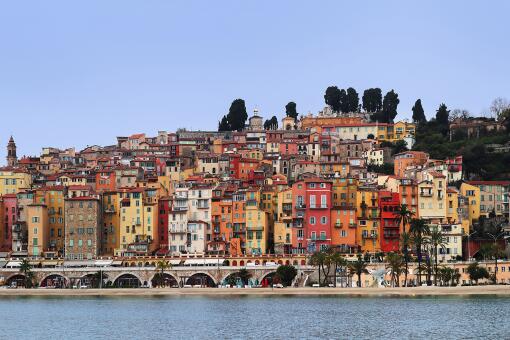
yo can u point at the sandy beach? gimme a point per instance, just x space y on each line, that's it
414 291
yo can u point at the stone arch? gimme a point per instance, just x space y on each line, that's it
303 262
234 263
241 263
147 264
267 279
56 280
226 263
133 264
17 278
168 280
287 262
295 262
280 262
202 279
91 279
127 280
257 262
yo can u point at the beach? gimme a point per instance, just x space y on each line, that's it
307 291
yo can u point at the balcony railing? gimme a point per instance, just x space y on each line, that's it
352 225
369 236
338 225
300 206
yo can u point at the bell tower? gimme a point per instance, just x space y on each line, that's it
12 159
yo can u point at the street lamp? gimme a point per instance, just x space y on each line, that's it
468 245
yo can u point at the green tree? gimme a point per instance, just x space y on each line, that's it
442 119
372 100
244 275
405 243
418 113
493 251
223 125
236 116
390 105
161 267
318 259
339 262
286 273
396 264
358 268
436 240
403 216
352 100
26 269
332 98
291 111
419 229
476 272
271 124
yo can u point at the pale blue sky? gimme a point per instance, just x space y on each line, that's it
75 73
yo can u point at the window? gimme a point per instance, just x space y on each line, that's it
312 201
343 233
312 220
324 201
324 220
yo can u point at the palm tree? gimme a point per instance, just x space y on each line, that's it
403 216
437 241
162 266
358 267
405 241
396 265
338 261
318 259
419 229
26 269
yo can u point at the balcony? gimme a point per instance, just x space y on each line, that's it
300 206
391 236
109 210
338 225
425 194
320 206
203 206
369 236
180 208
255 228
352 225
318 238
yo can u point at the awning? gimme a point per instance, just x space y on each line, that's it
214 261
13 264
34 262
194 262
175 262
2 263
117 263
84 263
103 263
50 263
3 254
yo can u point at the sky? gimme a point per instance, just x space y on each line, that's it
78 73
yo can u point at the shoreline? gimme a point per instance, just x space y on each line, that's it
499 290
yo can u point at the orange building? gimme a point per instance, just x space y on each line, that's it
343 229
407 158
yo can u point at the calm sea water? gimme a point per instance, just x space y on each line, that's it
251 317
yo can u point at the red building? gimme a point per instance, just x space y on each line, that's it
312 201
9 217
105 180
164 205
389 203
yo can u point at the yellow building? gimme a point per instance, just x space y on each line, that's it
452 205
472 194
110 201
38 229
256 225
368 219
432 198
283 223
138 220
344 192
53 198
12 181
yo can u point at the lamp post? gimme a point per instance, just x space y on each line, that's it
468 245
495 237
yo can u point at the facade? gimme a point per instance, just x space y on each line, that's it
83 227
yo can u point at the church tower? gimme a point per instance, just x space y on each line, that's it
12 159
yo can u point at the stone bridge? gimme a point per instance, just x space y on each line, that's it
135 276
